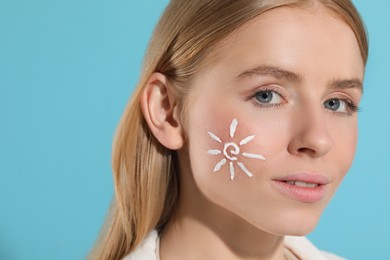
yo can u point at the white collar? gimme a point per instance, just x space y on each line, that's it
300 246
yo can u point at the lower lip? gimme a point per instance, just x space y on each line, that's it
303 194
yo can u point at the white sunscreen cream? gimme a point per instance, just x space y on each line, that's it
231 152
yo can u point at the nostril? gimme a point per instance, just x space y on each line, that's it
305 150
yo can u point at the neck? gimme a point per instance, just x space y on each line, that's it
200 229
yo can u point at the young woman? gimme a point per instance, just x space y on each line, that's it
241 129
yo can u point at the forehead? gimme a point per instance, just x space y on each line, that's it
305 41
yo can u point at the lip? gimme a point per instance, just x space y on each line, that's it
303 194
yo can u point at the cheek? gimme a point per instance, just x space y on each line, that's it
228 145
226 157
232 169
343 150
228 162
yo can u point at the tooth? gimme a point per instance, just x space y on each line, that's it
302 184
305 184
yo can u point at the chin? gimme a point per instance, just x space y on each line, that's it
296 222
292 230
299 231
297 225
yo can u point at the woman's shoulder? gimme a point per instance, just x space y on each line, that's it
299 246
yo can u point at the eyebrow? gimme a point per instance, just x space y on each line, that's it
279 73
347 84
273 71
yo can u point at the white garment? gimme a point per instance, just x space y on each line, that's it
300 246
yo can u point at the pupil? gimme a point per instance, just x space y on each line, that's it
333 104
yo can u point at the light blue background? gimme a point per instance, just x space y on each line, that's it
67 69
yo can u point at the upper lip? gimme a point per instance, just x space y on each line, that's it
305 177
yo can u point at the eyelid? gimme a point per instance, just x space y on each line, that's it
269 87
345 95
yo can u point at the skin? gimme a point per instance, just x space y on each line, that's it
246 218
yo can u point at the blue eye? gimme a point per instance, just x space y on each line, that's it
335 105
340 106
268 97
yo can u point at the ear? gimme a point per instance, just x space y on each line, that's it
160 110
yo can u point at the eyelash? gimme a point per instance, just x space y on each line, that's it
351 106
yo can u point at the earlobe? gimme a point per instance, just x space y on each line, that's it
159 108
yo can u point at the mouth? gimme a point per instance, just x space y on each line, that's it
304 187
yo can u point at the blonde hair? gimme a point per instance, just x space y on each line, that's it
145 172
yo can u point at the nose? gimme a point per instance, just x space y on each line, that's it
310 135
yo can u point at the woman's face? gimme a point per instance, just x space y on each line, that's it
285 87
